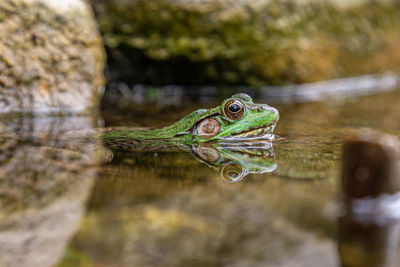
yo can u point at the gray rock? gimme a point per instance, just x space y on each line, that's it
44 185
51 56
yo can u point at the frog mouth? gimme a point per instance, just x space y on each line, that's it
259 132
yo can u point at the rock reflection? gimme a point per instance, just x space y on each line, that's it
45 181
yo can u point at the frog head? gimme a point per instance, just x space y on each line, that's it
237 118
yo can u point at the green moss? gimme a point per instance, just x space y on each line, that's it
168 41
76 258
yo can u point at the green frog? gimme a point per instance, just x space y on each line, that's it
237 119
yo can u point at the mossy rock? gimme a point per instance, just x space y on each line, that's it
247 42
51 56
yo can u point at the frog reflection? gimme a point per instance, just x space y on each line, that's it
236 160
233 160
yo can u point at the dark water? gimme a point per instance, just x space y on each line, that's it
71 202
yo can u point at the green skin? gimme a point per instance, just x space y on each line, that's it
258 122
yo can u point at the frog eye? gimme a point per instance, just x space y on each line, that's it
232 173
208 128
234 109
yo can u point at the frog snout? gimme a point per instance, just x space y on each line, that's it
276 114
268 111
273 111
269 108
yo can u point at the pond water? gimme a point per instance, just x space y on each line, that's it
67 201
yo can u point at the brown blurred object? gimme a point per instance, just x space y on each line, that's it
368 232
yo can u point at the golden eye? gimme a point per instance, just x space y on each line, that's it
234 109
232 173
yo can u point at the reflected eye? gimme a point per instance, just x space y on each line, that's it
232 173
234 109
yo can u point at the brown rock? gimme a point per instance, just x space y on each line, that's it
51 56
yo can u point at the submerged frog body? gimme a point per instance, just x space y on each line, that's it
236 119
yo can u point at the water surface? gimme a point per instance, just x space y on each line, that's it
170 208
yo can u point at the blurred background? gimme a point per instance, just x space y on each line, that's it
249 44
329 67
160 51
